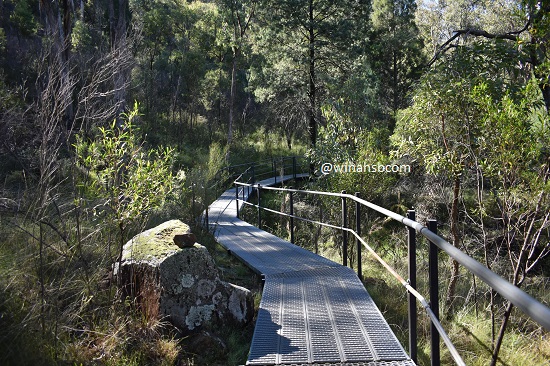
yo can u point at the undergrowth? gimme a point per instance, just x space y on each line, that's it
65 324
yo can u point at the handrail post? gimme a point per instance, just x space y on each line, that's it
413 321
357 241
291 204
294 167
434 295
259 208
237 197
344 232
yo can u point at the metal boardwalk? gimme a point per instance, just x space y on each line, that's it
313 310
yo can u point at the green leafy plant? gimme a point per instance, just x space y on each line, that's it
130 180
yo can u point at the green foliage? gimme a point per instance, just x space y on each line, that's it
23 17
307 50
216 160
397 51
131 180
337 141
3 40
81 37
177 37
442 126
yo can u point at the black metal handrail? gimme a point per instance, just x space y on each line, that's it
265 168
537 311
250 172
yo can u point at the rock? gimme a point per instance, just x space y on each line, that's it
180 284
186 240
206 344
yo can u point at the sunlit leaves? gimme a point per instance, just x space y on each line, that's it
130 179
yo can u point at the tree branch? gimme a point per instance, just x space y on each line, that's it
511 36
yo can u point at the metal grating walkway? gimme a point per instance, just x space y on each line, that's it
313 310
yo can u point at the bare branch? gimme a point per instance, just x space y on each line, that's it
511 36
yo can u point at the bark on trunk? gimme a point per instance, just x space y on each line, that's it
456 242
312 87
232 96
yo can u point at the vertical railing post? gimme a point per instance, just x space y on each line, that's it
434 295
294 167
413 335
274 169
358 243
237 197
291 204
258 187
344 232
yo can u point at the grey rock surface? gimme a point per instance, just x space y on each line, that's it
182 285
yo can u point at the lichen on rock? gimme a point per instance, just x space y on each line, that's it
182 285
198 315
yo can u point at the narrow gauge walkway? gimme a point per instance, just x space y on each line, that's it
313 310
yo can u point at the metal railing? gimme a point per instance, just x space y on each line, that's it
247 172
530 306
268 168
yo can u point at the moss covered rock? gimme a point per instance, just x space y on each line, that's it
180 284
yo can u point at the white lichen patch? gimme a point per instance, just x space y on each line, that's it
237 302
205 288
187 280
198 315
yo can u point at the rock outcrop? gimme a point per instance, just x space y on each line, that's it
180 284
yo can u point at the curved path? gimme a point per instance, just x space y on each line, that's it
313 310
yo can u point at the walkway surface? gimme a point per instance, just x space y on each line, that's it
313 310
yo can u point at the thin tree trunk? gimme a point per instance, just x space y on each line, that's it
500 337
42 287
118 27
232 97
456 242
312 87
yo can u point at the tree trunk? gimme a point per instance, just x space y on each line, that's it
456 242
232 97
118 25
312 87
66 29
509 308
545 89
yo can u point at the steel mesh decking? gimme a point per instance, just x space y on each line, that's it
313 310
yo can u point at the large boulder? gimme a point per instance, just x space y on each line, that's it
180 284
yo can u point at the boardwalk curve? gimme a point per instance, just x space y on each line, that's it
313 311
